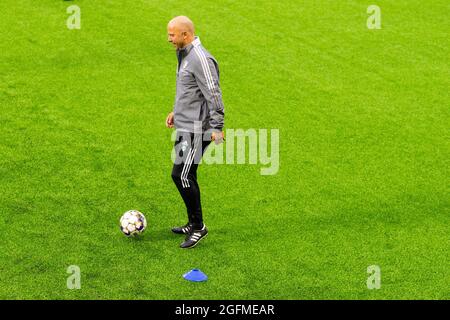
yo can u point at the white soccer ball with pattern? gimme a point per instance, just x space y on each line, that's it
133 223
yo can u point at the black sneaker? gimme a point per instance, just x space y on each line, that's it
186 229
193 238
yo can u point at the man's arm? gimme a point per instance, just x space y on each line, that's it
208 81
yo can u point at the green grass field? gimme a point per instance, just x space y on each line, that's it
364 150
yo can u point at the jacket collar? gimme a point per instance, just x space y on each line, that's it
185 51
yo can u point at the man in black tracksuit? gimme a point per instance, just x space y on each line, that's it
198 117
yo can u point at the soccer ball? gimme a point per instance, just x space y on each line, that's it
132 223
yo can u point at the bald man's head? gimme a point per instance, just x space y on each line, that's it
183 23
180 31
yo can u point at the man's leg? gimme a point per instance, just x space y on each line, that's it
189 149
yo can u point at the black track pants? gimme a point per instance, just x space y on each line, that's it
189 149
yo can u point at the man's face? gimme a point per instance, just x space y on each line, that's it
175 36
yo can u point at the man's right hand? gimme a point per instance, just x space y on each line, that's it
169 120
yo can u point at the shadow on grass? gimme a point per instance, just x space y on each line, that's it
157 236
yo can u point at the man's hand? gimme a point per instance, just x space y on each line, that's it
169 120
217 137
